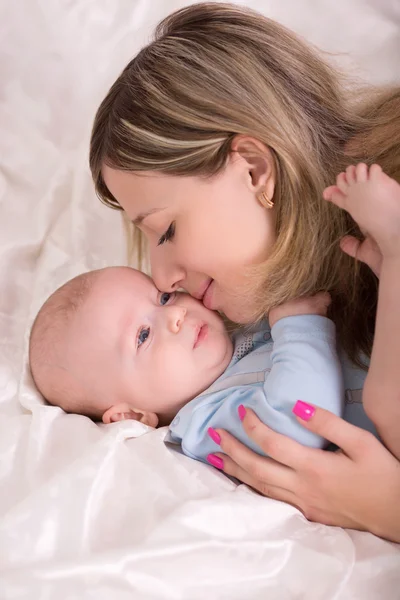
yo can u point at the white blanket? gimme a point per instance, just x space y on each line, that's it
97 512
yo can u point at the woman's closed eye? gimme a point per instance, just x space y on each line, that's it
168 235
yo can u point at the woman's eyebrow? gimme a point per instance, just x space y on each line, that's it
142 216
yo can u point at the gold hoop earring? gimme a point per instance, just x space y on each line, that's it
265 201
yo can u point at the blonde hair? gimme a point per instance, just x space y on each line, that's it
215 71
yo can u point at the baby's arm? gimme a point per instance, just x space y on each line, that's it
373 200
304 366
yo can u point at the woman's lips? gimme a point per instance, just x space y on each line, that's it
208 296
199 295
201 335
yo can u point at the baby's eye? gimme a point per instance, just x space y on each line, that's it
143 335
165 297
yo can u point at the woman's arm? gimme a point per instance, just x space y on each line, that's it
357 487
373 200
381 396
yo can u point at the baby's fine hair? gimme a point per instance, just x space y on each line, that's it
47 341
215 71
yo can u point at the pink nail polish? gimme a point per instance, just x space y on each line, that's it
215 461
303 410
214 435
241 412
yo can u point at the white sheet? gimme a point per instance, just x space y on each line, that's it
98 512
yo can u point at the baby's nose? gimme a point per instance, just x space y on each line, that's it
176 317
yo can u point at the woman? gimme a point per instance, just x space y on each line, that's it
218 140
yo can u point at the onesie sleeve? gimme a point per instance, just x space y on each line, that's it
305 366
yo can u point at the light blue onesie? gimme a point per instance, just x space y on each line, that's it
270 370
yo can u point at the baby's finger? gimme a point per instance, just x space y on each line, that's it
362 172
351 174
342 183
375 171
334 195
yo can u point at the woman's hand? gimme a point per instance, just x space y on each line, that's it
357 487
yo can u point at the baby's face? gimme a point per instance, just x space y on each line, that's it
156 351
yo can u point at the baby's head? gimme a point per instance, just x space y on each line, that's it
109 345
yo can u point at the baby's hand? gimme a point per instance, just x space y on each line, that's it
372 198
309 305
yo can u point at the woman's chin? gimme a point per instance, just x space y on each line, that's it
238 313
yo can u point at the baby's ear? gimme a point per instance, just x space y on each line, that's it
123 412
119 412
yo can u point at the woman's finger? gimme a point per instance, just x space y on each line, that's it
279 447
258 467
266 488
367 252
350 245
312 513
354 442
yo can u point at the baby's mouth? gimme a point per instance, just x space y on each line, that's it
200 335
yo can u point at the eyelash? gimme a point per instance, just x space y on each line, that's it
168 236
138 342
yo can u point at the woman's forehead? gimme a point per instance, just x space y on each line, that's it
122 181
148 186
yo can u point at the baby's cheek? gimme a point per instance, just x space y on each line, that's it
172 372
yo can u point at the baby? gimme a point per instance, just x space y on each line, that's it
109 345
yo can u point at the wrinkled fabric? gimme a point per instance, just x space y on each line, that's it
91 511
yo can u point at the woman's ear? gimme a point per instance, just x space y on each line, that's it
123 411
259 163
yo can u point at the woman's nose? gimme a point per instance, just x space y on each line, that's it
175 317
166 273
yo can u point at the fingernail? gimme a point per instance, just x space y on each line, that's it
242 412
215 461
214 435
303 410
